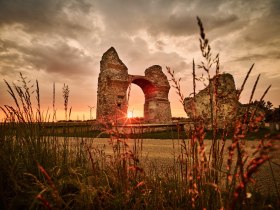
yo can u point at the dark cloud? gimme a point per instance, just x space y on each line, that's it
183 25
58 58
10 61
265 30
172 18
160 45
261 23
40 16
274 9
255 57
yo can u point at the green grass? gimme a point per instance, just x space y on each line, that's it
260 133
85 131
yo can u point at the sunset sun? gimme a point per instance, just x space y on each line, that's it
129 114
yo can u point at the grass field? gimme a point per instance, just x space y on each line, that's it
162 153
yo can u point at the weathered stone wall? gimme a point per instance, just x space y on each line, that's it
113 82
112 86
157 105
227 101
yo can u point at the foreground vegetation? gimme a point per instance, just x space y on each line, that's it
46 172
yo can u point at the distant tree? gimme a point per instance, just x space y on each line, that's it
264 105
277 114
267 108
271 114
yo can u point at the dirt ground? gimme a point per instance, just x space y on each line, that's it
162 153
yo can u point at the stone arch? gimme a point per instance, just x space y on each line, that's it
149 90
145 84
113 82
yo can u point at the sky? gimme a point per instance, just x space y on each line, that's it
62 42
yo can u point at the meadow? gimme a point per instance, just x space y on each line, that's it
223 170
50 172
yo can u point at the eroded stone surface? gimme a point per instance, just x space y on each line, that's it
113 83
227 101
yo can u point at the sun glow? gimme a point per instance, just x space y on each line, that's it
130 114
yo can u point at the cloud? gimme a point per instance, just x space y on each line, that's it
138 56
271 55
59 58
172 18
185 24
63 41
264 82
40 16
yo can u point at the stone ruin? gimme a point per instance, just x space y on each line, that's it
227 100
113 88
228 106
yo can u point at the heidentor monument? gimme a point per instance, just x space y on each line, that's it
113 90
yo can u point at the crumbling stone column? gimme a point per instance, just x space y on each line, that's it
157 106
227 101
112 86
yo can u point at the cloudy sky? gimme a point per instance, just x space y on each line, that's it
62 41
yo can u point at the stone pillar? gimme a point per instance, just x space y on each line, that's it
157 106
112 87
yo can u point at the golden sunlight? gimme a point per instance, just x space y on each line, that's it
129 114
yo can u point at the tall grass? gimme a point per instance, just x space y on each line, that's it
45 172
212 183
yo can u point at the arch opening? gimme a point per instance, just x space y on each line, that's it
135 102
147 87
150 92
